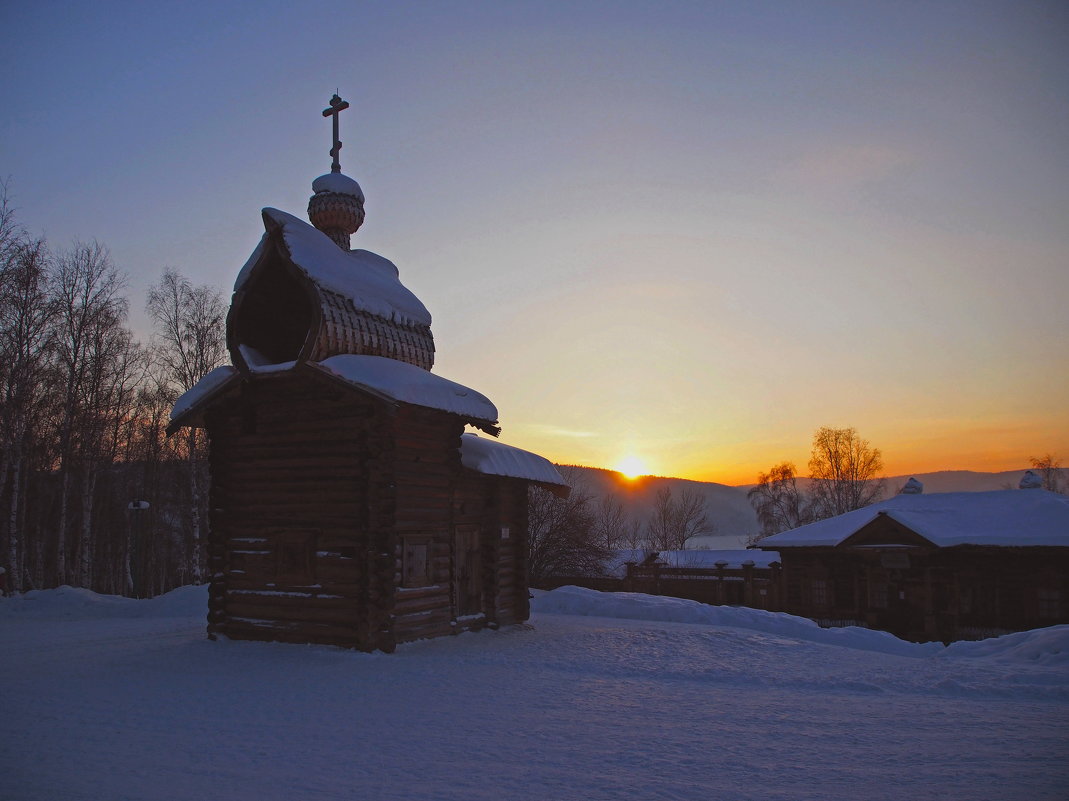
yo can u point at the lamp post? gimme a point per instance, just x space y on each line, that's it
137 547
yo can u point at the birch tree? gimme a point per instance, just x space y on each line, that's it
88 304
779 503
844 470
25 315
675 520
189 325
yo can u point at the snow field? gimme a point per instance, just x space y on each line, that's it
604 696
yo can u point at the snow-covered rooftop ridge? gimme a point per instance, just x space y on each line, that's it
1000 518
912 487
705 560
211 383
1030 481
410 384
498 459
366 278
337 182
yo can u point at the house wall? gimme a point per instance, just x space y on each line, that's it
963 592
424 471
496 508
339 519
295 523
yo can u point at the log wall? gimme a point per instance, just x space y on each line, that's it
336 517
963 592
291 513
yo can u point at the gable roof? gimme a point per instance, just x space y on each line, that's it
498 459
1032 517
385 378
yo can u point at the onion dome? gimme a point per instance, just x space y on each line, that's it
337 207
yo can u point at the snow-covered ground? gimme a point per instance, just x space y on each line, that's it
602 697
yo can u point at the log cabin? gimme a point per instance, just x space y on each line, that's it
348 503
944 566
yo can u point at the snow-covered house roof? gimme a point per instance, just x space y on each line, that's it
498 459
387 379
1032 517
403 382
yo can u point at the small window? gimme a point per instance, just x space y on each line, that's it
819 589
295 556
415 566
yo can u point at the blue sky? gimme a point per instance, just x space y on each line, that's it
689 232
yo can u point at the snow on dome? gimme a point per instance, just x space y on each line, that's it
336 182
407 383
1000 518
212 382
369 280
498 459
1030 481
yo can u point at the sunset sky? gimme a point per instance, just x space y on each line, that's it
685 233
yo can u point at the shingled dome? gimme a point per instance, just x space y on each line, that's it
300 297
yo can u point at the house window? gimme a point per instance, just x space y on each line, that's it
1050 604
819 591
295 556
415 566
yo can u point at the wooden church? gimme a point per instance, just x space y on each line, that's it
348 505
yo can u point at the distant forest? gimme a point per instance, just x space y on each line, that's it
92 491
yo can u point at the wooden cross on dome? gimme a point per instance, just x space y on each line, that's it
337 105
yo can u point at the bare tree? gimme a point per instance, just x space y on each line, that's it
674 521
189 343
89 308
779 503
563 534
1050 469
614 528
843 468
25 312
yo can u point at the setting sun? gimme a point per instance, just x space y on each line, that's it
631 467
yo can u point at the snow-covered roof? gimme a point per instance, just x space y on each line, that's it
212 383
410 384
498 459
1002 518
387 378
336 182
366 278
706 560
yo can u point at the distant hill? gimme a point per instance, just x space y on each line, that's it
727 507
729 510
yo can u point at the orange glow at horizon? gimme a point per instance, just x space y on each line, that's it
631 467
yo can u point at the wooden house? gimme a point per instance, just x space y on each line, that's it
945 566
347 505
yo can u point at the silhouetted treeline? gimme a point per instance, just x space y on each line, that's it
92 491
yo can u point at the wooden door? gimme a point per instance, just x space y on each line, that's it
467 572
